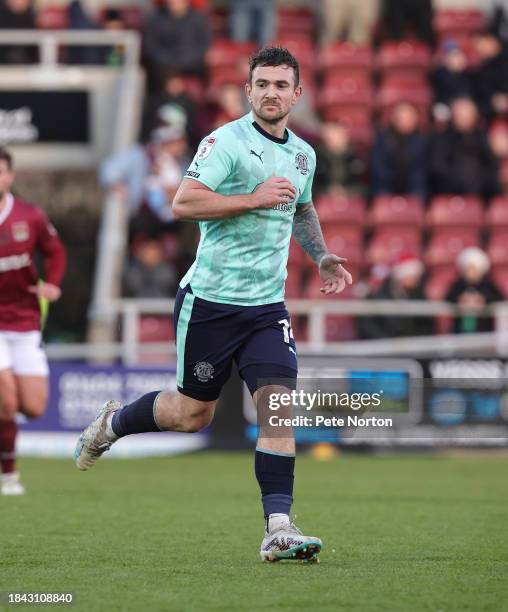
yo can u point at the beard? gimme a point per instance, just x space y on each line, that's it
269 118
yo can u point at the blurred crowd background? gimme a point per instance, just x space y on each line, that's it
405 102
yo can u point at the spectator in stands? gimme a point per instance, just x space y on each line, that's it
232 104
351 20
462 160
473 289
176 37
338 169
499 20
491 76
17 15
399 161
170 105
169 161
253 20
406 17
304 120
498 139
452 78
113 22
79 19
403 283
142 172
147 275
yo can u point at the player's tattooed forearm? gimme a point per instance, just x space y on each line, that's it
307 231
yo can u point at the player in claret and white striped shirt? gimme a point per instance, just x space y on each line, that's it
24 229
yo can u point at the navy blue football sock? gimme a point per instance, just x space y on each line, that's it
138 417
275 475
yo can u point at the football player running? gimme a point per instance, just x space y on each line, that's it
249 187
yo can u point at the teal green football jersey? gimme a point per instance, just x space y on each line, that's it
243 260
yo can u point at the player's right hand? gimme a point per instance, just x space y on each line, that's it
46 290
275 190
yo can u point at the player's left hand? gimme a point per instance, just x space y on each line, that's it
334 276
46 290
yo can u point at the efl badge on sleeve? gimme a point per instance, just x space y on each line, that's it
206 147
20 231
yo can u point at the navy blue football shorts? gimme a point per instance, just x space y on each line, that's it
210 335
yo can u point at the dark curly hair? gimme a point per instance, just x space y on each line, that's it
274 56
6 157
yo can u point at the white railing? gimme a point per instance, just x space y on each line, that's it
128 312
49 41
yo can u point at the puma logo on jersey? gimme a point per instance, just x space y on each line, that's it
257 155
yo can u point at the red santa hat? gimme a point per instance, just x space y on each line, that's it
406 264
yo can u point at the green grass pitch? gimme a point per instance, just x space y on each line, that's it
399 533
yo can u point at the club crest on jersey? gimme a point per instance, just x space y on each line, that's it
206 148
20 231
302 163
203 371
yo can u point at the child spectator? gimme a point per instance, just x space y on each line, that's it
473 289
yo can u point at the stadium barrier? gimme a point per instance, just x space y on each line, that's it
130 310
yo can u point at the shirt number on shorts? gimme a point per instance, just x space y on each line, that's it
286 329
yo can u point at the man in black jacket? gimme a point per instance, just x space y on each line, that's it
17 15
176 37
462 160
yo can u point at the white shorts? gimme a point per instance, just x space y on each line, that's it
22 353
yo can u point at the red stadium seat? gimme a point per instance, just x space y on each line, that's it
499 275
497 248
455 210
155 328
408 55
346 90
388 243
297 255
295 21
225 53
497 214
132 16
439 282
450 23
404 88
357 120
341 209
301 46
338 328
397 210
53 18
293 285
226 75
345 241
446 244
345 55
503 173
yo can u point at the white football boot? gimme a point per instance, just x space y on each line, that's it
286 541
11 485
97 438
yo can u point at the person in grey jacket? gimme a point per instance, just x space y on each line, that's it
175 37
